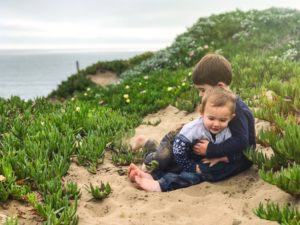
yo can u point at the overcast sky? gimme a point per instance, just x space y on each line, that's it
109 24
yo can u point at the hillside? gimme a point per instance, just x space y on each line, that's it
41 140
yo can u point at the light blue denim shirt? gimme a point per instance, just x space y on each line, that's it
189 135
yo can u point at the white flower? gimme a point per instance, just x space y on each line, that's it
205 46
77 109
127 87
85 94
190 74
126 96
183 84
42 123
191 53
127 100
169 89
146 77
88 89
73 99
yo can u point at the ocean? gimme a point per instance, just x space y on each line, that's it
35 73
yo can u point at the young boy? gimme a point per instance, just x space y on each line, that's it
212 70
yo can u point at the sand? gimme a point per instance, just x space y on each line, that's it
103 78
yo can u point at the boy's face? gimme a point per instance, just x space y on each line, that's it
216 119
202 88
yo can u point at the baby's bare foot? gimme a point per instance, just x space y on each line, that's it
147 184
145 175
139 142
132 175
132 167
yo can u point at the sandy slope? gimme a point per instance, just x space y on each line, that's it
104 78
226 202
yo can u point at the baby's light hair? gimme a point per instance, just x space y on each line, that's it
218 97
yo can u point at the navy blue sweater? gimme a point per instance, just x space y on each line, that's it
243 135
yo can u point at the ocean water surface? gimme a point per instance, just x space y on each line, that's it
34 73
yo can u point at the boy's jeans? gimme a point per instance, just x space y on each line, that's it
162 153
169 181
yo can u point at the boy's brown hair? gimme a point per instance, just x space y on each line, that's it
218 97
212 69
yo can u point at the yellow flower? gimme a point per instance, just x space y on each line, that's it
88 89
190 74
127 87
126 96
85 94
127 100
42 123
140 84
169 89
77 109
183 84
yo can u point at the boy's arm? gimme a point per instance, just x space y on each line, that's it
181 147
237 143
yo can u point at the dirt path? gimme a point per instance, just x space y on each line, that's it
104 78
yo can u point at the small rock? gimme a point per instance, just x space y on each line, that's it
236 222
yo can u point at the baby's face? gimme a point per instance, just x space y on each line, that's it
216 119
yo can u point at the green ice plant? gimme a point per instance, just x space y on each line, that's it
39 158
19 191
285 215
153 165
71 190
138 96
99 193
123 158
122 153
274 162
11 221
55 208
91 149
281 169
67 215
8 179
287 179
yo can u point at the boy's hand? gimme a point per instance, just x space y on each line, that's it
201 147
215 161
198 170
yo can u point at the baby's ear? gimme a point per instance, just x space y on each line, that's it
233 115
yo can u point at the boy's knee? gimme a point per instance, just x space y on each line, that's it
163 157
